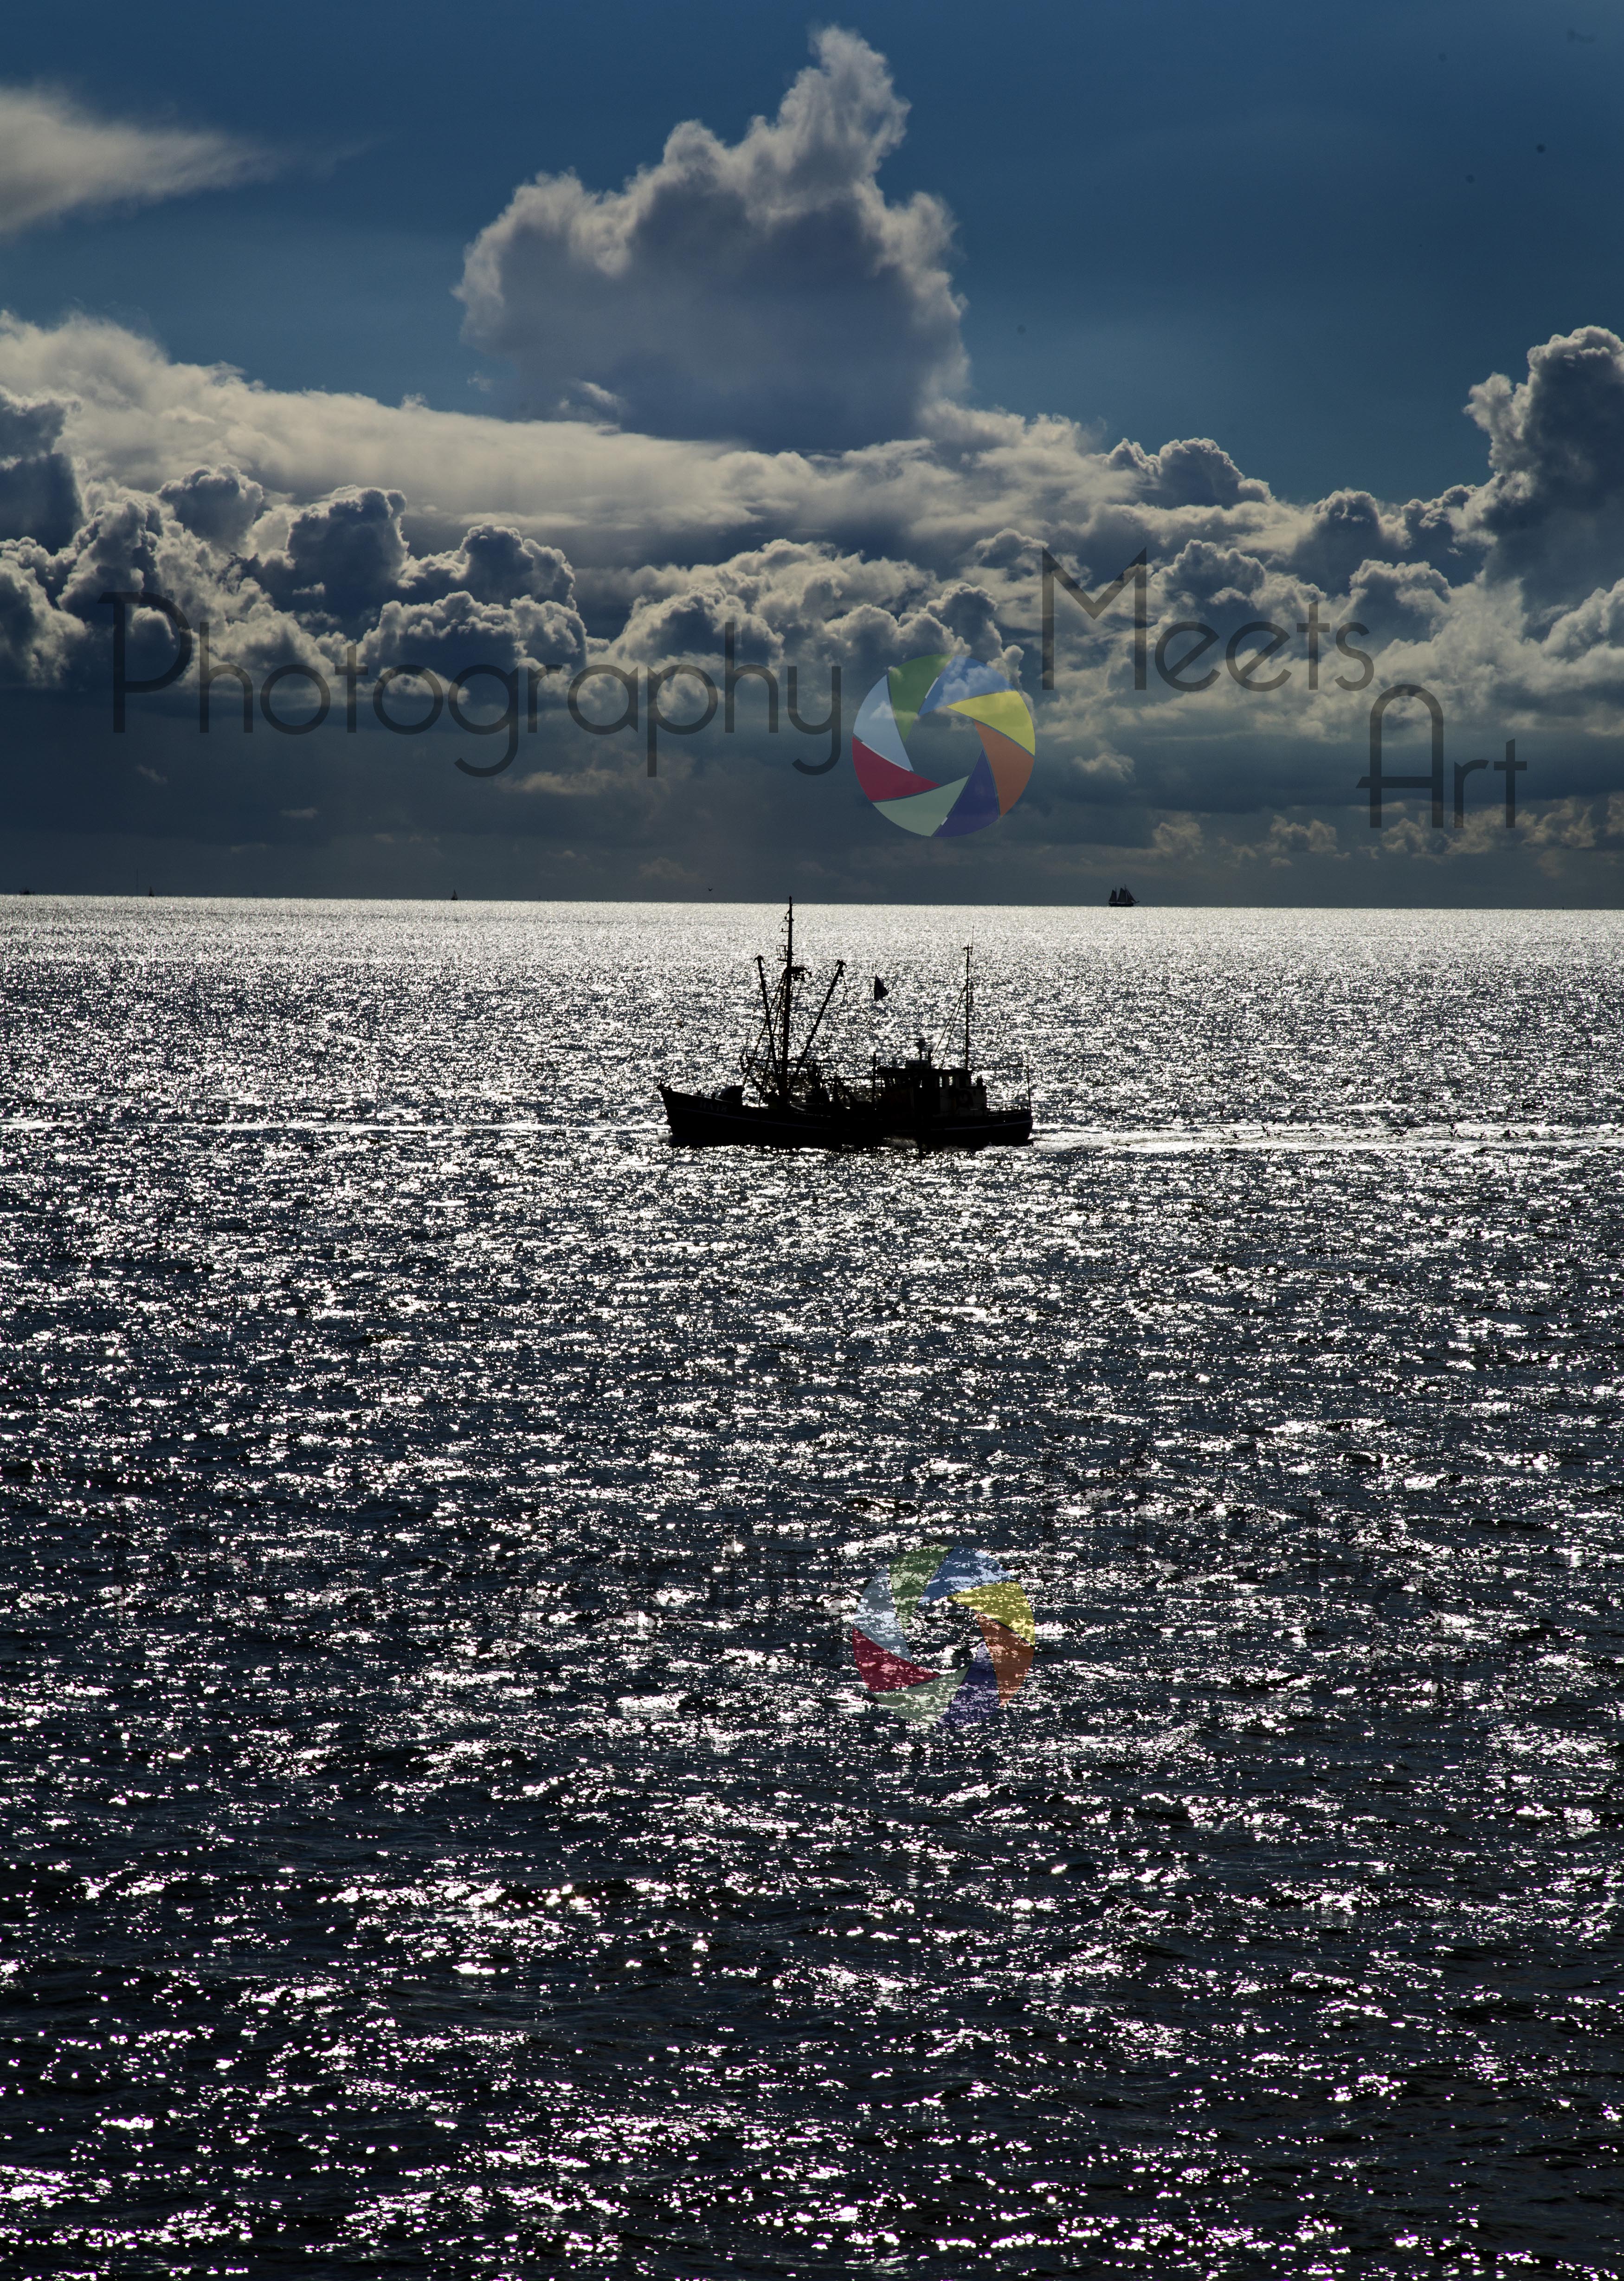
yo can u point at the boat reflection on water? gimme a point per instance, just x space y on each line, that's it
789 1099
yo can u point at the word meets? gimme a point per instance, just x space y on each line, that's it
1244 666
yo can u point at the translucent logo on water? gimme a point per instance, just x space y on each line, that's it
914 779
892 1636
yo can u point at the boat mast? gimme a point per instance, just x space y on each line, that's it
789 988
967 1005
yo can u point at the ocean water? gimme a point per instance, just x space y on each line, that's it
447 1834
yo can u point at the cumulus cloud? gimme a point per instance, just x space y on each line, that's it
56 158
343 556
1350 528
1284 841
1194 472
494 564
39 492
343 568
1178 839
1408 600
765 291
1108 765
215 503
40 644
457 632
1556 444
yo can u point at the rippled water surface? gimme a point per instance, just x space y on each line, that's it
447 1832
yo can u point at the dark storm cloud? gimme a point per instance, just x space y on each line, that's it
765 291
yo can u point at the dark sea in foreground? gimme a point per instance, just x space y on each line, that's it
447 1834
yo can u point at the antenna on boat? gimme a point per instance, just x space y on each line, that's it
834 984
768 1024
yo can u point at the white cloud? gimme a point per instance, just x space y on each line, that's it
765 291
215 503
1177 839
1287 840
1107 766
1555 443
56 158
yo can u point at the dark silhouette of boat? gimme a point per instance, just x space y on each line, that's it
1120 900
788 1099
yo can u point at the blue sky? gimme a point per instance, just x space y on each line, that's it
1248 221
1308 236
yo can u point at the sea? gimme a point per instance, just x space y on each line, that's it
446 1830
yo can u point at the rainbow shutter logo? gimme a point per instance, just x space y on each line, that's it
891 1607
941 806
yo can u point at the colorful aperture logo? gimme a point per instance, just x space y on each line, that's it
897 1635
919 780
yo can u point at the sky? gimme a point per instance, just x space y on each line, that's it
563 339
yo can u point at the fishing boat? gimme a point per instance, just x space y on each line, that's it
789 1098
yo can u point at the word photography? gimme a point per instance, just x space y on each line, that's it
642 693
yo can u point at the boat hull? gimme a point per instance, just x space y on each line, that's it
699 1120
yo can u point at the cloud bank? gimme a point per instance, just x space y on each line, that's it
538 547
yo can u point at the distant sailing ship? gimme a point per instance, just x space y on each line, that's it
790 1100
1120 900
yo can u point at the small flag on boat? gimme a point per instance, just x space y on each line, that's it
880 990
